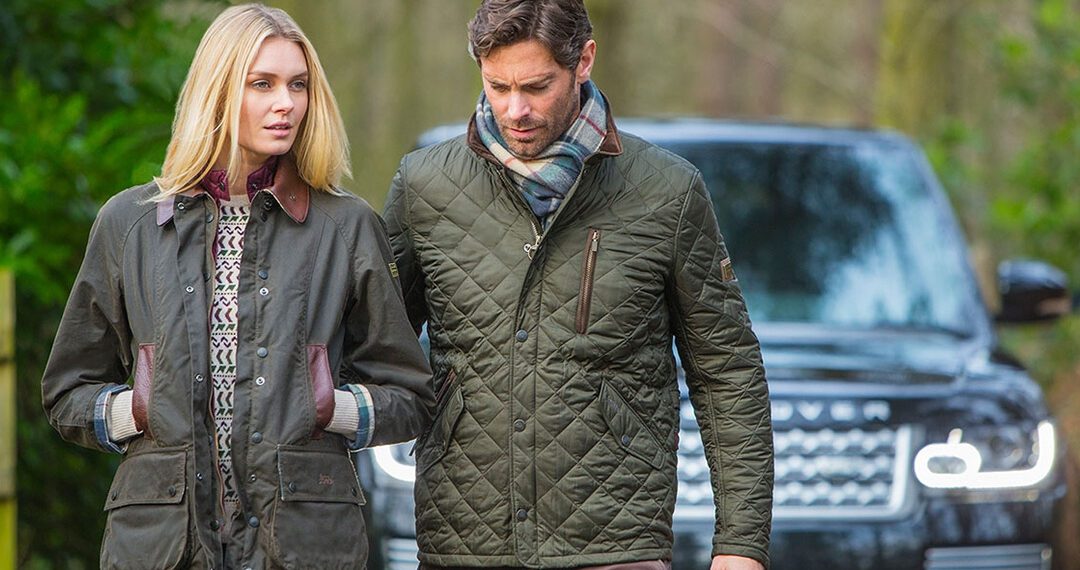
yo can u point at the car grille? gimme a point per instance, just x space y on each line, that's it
1011 557
857 473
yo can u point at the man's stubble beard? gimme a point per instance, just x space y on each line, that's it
549 133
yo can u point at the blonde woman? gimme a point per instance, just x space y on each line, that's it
237 325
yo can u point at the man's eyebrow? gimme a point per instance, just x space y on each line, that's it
541 79
530 81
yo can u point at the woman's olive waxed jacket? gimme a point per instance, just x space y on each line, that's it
319 306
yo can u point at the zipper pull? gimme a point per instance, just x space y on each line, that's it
595 241
530 248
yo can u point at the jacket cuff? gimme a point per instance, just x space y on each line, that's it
101 428
735 549
346 416
365 408
119 419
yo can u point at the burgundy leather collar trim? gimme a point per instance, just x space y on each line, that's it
288 190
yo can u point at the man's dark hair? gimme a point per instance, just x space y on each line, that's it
560 25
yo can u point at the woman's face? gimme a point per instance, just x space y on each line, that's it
275 100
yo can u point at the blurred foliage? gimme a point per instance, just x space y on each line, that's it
1016 182
1040 209
1037 214
89 90
989 88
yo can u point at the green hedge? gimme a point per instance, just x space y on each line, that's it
89 88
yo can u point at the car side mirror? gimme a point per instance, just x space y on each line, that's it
1032 291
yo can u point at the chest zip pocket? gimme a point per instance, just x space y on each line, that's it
588 273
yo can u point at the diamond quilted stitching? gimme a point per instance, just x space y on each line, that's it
580 478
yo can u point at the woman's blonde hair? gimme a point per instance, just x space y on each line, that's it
208 111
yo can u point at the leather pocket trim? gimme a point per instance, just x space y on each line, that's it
630 432
315 475
322 385
143 385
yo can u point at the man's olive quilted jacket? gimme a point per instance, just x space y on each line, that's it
555 439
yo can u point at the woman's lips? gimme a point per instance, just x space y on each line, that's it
281 130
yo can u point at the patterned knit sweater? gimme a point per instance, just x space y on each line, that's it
229 246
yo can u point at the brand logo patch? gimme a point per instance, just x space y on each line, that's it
726 271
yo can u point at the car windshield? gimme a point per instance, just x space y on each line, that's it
846 235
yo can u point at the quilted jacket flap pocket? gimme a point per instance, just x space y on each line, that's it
442 429
317 475
629 431
155 477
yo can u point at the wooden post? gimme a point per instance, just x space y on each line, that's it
7 421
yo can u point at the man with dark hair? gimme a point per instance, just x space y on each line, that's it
553 259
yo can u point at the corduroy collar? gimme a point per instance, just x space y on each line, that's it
287 189
216 182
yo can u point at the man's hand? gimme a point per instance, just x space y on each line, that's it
723 562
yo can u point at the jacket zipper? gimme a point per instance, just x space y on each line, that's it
592 246
530 248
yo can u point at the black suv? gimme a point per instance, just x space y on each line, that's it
905 438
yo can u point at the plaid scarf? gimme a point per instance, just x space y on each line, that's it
545 179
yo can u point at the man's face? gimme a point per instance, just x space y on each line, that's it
534 98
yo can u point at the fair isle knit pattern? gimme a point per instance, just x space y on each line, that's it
229 245
546 179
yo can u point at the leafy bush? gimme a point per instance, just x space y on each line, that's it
89 91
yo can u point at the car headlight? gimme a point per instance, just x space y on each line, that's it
395 463
988 458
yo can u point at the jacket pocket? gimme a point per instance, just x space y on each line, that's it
317 521
588 275
147 524
322 386
629 430
143 385
433 445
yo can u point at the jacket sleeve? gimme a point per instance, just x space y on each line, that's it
381 353
726 378
401 240
90 358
